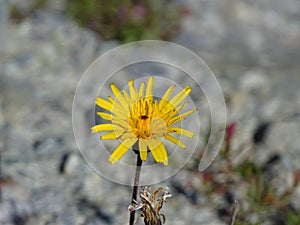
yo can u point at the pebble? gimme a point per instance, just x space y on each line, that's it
39 78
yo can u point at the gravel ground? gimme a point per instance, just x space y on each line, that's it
44 179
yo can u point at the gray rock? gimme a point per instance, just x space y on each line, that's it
255 83
43 60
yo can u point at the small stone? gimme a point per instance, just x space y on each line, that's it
255 83
72 164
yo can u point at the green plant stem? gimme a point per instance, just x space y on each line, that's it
136 186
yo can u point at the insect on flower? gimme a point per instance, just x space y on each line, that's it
138 116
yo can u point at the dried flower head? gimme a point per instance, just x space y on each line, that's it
138 116
151 204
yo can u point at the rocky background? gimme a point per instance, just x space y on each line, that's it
253 47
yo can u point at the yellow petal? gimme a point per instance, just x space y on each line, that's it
172 111
180 96
141 90
120 122
178 130
165 97
127 135
127 97
175 140
105 116
143 149
153 145
132 90
168 112
181 117
157 154
111 99
121 150
182 106
104 104
102 127
109 136
158 126
149 87
119 95
163 152
143 155
118 109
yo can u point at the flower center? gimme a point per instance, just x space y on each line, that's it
144 120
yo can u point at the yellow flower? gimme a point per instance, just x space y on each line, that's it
139 116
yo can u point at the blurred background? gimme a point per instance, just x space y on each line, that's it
253 47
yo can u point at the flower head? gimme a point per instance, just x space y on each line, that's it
138 116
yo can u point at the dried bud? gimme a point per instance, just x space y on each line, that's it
151 204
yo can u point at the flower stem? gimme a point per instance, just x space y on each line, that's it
136 186
233 216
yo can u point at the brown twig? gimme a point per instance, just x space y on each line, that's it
234 212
